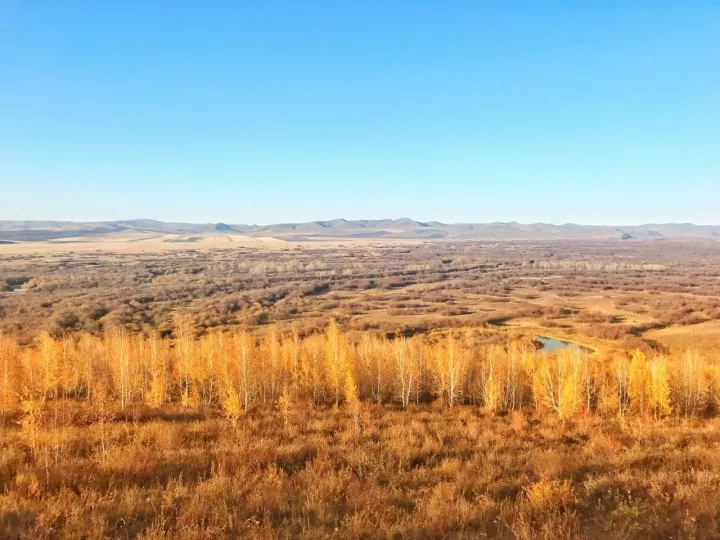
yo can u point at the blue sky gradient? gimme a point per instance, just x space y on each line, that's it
267 111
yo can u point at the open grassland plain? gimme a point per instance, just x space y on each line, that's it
368 390
604 292
426 472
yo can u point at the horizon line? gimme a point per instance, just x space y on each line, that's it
349 220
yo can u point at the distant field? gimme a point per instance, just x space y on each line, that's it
140 243
705 335
612 293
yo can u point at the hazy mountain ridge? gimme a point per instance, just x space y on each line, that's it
403 228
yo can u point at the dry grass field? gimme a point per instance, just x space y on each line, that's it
704 335
422 473
205 391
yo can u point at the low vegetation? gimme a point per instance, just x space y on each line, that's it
605 291
236 371
240 434
390 391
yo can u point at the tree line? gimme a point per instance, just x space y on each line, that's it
237 371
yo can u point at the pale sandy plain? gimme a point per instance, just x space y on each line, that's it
147 242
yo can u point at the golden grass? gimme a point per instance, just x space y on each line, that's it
425 472
705 336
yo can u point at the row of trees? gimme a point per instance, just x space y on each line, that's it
237 371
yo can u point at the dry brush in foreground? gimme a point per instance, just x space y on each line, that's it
235 435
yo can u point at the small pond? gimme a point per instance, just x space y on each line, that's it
550 345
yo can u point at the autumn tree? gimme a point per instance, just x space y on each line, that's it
421 366
9 376
491 381
231 404
335 358
236 370
158 353
514 370
640 383
352 402
621 370
405 370
284 405
371 354
312 367
451 362
558 380
242 373
207 362
271 365
89 352
185 350
593 379
50 367
659 387
118 358
693 384
292 359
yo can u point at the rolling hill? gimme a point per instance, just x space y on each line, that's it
404 228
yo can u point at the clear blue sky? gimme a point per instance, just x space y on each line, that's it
259 111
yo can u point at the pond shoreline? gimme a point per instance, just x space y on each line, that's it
551 344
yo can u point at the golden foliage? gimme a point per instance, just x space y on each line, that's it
558 381
9 377
236 371
659 387
640 386
549 494
231 405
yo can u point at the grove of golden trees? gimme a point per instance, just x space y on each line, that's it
236 371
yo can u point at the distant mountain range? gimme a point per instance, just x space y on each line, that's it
404 228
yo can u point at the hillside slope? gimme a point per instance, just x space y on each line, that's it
403 228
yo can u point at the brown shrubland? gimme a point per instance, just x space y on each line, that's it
606 291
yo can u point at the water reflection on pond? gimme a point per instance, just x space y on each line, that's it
550 345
